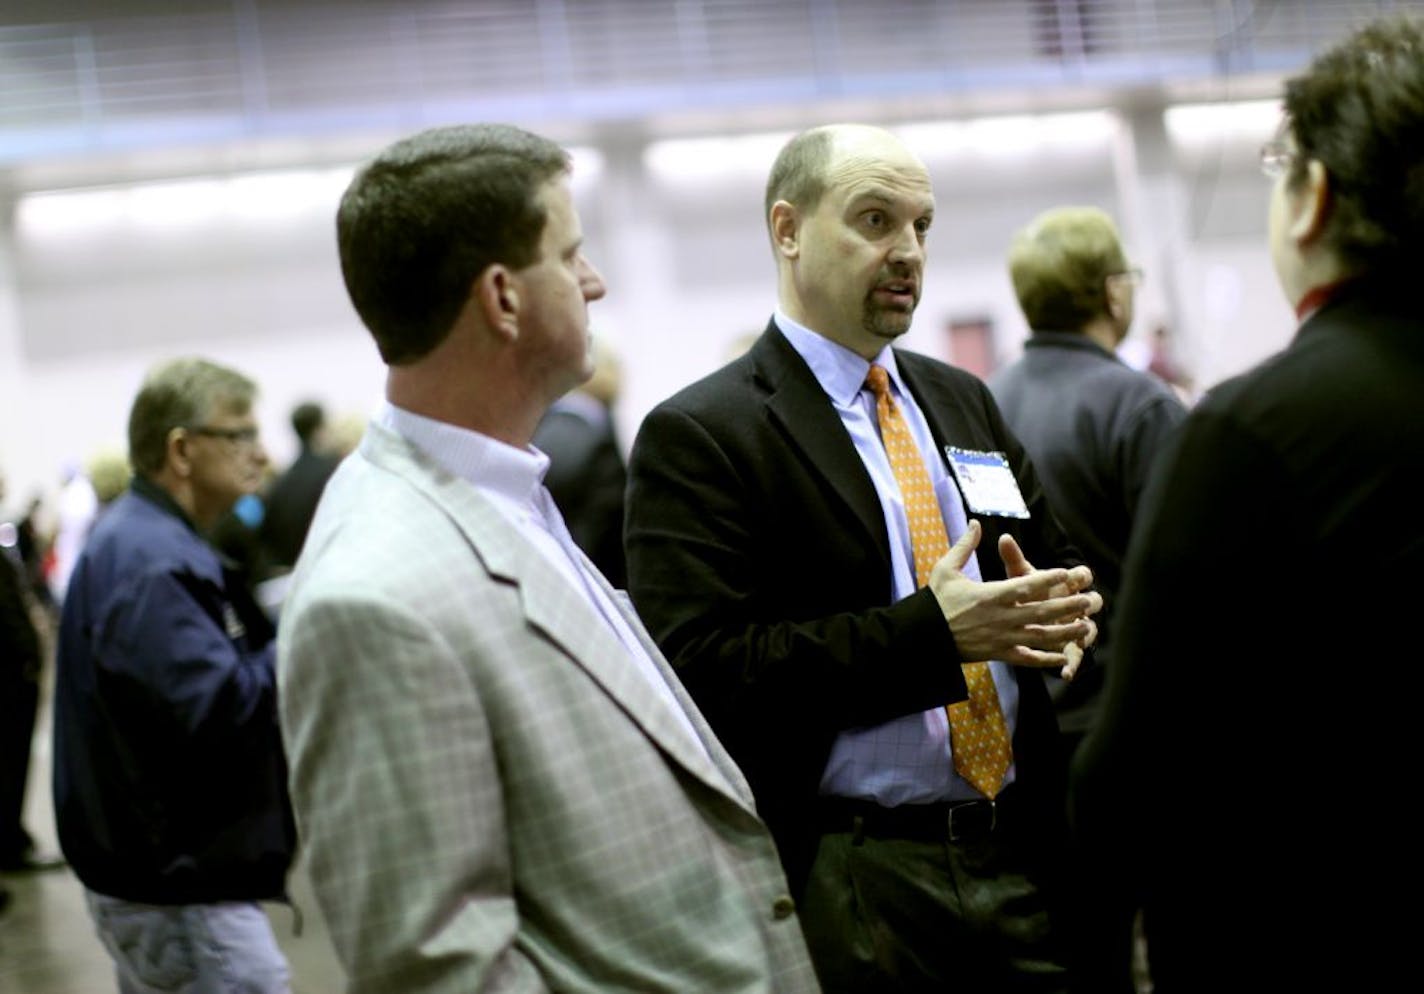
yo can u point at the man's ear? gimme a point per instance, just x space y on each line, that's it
785 229
495 293
1310 204
177 455
1116 292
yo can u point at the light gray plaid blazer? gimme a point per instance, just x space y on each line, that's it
490 797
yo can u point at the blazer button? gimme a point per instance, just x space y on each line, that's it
783 907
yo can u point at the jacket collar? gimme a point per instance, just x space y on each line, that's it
1067 340
560 614
143 487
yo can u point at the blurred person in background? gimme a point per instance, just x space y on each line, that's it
1093 427
109 474
75 508
23 648
346 431
501 785
587 475
291 500
1091 424
169 781
34 543
1248 780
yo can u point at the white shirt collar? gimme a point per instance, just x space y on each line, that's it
515 474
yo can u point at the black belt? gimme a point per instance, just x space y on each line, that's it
942 821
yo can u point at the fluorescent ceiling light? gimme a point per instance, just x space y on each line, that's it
700 159
1207 124
174 204
1013 136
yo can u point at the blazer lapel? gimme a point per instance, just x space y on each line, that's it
723 761
799 405
941 408
556 610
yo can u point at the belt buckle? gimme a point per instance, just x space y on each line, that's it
972 820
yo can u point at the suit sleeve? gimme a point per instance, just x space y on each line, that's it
699 540
397 790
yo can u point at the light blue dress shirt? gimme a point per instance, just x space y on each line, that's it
907 760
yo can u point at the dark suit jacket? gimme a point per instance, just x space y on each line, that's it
290 505
758 558
587 479
1248 777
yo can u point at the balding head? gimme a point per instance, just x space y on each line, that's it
848 207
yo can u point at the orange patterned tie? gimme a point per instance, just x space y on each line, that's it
978 733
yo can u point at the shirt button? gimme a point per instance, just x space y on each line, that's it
783 907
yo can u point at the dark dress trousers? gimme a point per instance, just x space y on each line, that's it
758 557
1250 777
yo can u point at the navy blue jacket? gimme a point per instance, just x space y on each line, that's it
169 777
1093 427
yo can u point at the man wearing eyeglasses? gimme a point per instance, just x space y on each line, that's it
1091 424
1248 779
1092 427
169 777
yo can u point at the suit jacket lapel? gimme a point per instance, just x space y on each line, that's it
799 405
555 609
715 750
941 408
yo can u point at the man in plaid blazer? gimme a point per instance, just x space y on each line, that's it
499 783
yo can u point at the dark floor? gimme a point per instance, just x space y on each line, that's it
48 946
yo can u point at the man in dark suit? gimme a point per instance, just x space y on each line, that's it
21 659
22 654
292 500
822 628
1248 779
587 476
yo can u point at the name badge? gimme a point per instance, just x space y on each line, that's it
987 482
235 628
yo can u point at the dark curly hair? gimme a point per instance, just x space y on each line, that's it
1359 111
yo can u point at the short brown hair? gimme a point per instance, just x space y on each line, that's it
428 215
1359 111
1059 265
798 176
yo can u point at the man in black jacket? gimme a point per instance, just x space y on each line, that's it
21 660
793 566
292 500
1248 781
587 477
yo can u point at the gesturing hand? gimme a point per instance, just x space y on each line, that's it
1034 618
1079 578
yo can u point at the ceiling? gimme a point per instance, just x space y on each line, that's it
155 87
